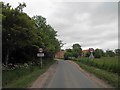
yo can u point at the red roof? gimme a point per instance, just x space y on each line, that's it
87 50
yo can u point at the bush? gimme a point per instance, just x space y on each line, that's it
110 53
97 53
87 54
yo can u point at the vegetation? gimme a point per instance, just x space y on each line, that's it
75 52
24 75
98 53
117 52
110 78
109 64
106 68
23 35
68 54
110 53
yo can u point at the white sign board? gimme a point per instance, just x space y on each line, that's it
40 54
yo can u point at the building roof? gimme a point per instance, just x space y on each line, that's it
87 50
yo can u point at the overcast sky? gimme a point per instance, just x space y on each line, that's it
91 24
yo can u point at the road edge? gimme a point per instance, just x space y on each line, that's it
99 81
43 80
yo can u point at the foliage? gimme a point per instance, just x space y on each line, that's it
107 63
111 78
68 54
97 53
23 75
87 54
47 34
75 52
110 53
102 53
23 35
117 52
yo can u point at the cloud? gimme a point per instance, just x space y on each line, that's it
91 24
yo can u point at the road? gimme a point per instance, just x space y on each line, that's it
68 75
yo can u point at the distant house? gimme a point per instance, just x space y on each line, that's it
60 54
84 52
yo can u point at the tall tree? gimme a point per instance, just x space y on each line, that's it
22 35
20 7
77 50
17 31
48 36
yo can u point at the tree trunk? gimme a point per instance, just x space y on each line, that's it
7 57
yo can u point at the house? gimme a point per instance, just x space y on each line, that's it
60 54
84 52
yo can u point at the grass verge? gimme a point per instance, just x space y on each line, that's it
26 80
109 77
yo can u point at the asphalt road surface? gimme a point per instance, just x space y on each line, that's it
68 75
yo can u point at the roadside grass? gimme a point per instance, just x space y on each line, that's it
109 64
23 77
109 77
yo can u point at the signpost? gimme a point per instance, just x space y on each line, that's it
40 54
40 50
91 50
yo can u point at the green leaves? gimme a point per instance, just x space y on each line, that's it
73 53
77 50
97 53
110 53
22 33
47 35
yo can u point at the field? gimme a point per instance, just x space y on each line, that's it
106 68
107 63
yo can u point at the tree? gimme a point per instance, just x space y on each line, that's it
68 54
102 52
47 34
20 7
110 53
117 52
87 54
17 31
97 53
77 50
22 36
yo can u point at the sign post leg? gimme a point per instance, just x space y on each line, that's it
41 61
91 56
40 54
